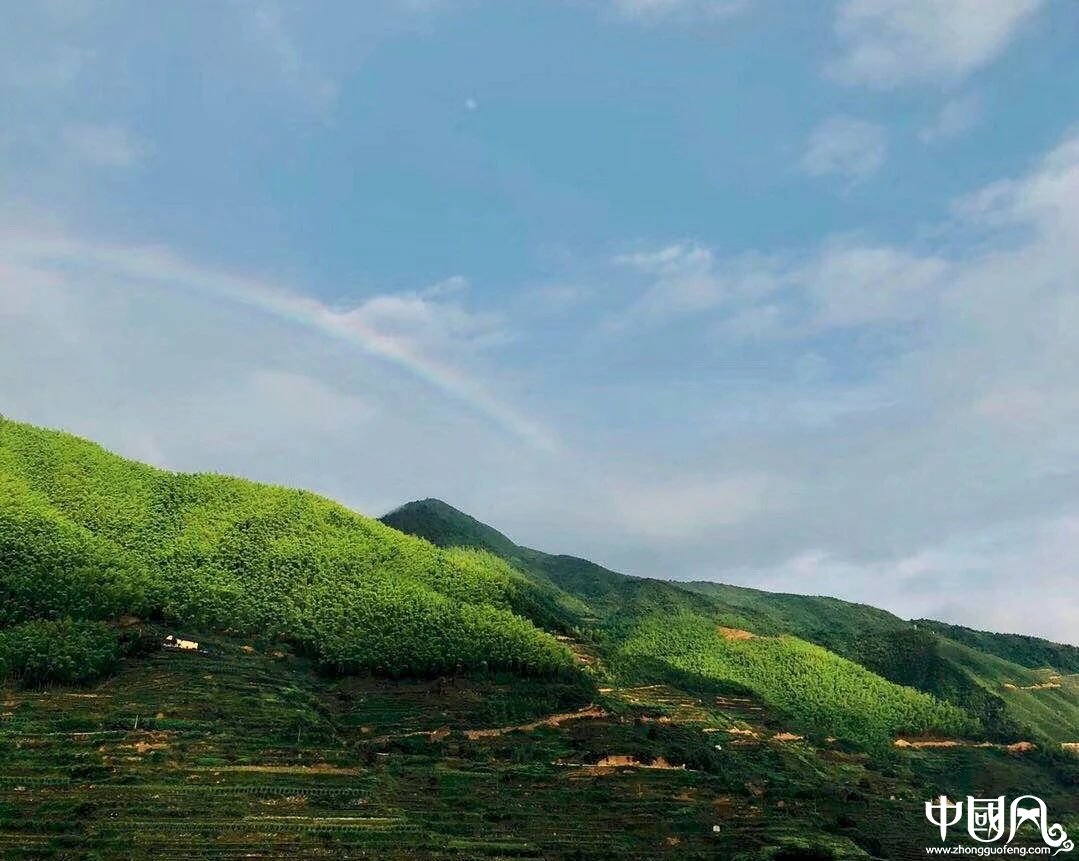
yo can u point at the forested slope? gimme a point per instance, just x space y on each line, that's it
648 629
1027 651
86 535
988 674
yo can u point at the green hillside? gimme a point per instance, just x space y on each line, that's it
236 754
1045 701
1020 649
818 691
920 655
362 693
87 535
926 655
649 629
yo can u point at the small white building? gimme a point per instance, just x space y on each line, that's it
174 642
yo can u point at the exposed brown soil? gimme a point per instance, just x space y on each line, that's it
146 746
929 743
1042 686
617 760
591 711
787 736
317 768
735 634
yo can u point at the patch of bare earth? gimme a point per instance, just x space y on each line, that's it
735 634
1051 684
612 762
317 768
589 712
936 743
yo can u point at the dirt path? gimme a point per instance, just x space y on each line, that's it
591 711
317 768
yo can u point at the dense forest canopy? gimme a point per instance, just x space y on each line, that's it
87 535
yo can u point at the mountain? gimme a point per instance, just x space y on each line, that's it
1002 695
89 536
200 666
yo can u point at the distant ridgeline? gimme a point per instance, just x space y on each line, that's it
868 675
90 542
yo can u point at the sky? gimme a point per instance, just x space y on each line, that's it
777 294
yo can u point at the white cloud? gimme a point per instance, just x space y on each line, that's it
886 43
686 278
950 416
435 339
104 145
668 512
853 285
301 406
955 117
845 147
981 579
841 284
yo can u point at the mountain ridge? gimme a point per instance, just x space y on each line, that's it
912 653
350 690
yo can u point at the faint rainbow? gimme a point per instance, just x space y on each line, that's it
160 265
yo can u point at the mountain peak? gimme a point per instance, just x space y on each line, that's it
446 526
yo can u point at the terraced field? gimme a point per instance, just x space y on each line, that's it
235 753
354 692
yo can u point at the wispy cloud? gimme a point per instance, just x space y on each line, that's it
886 43
956 116
973 579
428 336
842 284
687 278
846 147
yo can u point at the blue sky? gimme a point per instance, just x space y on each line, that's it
773 293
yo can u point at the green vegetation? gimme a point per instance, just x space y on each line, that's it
663 720
88 535
1020 649
924 654
233 754
819 691
1043 703
65 651
655 630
